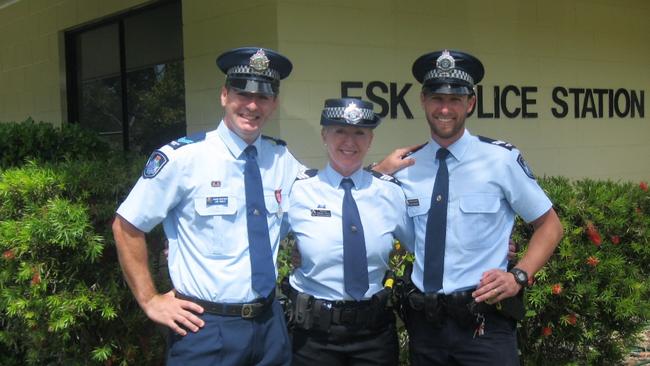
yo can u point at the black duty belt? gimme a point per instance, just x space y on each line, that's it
313 313
454 300
244 310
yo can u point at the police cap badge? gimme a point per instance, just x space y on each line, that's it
448 72
349 112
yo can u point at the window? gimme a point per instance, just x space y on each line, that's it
125 77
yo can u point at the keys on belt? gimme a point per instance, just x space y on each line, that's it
459 306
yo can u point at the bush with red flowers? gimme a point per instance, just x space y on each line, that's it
592 299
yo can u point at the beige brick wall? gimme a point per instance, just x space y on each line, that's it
32 69
541 43
210 28
574 44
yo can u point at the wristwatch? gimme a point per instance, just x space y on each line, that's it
520 276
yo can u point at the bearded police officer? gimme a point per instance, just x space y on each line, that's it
463 192
220 196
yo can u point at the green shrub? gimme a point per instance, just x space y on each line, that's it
29 140
62 296
592 299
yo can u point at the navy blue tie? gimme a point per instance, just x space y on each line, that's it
434 250
259 244
355 261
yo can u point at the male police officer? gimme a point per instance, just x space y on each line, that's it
220 196
463 193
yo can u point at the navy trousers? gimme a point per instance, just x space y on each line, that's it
229 340
454 344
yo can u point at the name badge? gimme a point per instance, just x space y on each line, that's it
321 213
216 201
413 202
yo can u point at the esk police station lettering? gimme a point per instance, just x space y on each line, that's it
512 101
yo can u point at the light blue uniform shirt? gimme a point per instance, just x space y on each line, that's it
315 216
199 197
489 182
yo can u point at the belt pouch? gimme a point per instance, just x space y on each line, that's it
432 308
303 313
378 308
322 315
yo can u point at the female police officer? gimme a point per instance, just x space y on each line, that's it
345 219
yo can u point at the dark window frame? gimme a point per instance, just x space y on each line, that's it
72 53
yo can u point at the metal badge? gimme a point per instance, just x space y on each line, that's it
352 113
259 62
445 62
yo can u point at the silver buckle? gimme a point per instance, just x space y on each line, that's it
247 311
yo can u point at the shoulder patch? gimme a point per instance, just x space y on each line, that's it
275 140
187 140
386 177
154 165
503 144
525 167
306 174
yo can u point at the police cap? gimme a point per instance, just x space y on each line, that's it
254 69
349 112
448 72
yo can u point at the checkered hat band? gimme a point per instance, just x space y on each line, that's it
337 112
243 69
453 74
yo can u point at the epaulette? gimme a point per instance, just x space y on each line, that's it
386 177
200 136
503 144
415 150
305 174
276 140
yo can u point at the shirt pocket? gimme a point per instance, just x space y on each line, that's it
216 214
479 217
275 211
418 209
417 206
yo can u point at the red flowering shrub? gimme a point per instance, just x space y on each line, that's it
9 254
572 319
602 283
593 261
593 234
556 289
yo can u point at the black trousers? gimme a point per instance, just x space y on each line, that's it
454 344
343 346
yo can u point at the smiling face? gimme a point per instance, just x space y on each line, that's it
346 147
246 113
446 115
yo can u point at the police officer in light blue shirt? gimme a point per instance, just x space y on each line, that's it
463 193
340 311
221 197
